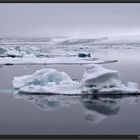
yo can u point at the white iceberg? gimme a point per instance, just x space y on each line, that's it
28 51
21 51
97 76
46 81
96 80
102 80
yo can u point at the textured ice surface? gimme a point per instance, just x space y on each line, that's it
105 81
96 79
21 51
97 76
46 81
8 52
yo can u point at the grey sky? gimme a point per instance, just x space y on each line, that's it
37 19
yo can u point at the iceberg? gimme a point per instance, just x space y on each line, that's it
47 81
97 76
28 51
5 52
101 80
21 51
96 80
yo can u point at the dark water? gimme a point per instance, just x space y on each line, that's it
32 114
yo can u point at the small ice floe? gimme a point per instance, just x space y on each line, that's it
97 79
47 81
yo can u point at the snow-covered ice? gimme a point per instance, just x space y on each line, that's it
96 80
56 60
46 81
21 51
31 59
101 80
97 76
8 52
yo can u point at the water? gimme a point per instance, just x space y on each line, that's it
42 114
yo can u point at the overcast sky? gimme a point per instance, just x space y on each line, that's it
41 20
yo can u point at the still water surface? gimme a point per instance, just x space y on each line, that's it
32 114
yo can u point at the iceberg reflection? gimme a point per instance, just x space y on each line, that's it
96 107
100 107
49 102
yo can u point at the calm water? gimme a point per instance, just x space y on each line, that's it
32 114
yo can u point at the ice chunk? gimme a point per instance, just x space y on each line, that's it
42 77
21 51
5 52
97 79
97 76
2 50
28 51
46 81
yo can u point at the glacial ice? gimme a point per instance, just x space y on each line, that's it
11 52
21 51
97 76
96 80
46 81
102 80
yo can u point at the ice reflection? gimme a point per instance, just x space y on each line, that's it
49 102
96 107
100 107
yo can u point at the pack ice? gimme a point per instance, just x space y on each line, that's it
96 79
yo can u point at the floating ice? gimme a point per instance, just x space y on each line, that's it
96 80
21 51
102 80
97 76
46 81
5 52
28 51
46 60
